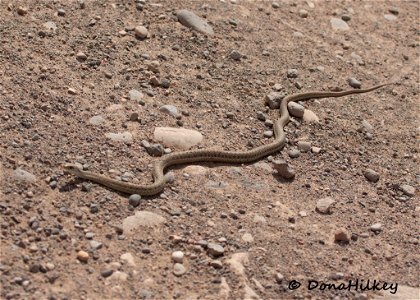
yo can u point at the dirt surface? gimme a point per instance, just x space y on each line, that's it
67 238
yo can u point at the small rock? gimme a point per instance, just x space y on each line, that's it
268 134
179 269
170 110
354 83
408 190
217 264
96 120
341 235
155 150
22 175
134 200
80 56
125 137
339 24
376 227
283 169
324 205
275 5
82 256
106 273
141 32
95 245
303 13
134 117
235 55
22 10
346 18
315 150
154 66
292 73
293 153
371 175
135 95
72 91
177 137
394 10
215 250
274 99
304 146
61 12
191 20
296 109
279 277
178 256
310 117
248 238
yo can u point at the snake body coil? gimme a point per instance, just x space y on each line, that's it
205 155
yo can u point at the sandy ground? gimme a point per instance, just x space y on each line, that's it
244 233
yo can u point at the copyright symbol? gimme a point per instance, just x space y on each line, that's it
293 285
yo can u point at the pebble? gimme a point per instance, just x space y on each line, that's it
371 175
261 116
408 190
165 83
366 125
107 272
22 10
279 277
354 83
170 110
178 256
141 32
390 17
96 120
274 99
134 200
177 137
268 134
80 56
292 73
124 137
296 109
346 18
247 238
303 13
235 55
283 169
339 24
154 66
376 227
324 205
95 245
83 256
275 5
215 250
61 12
316 150
128 259
217 264
191 20
137 96
155 150
72 91
304 146
394 10
134 117
179 269
22 175
342 235
310 117
293 153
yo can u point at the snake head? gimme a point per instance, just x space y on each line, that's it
74 169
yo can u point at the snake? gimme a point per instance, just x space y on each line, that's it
209 155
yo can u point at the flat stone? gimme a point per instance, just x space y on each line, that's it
215 250
310 117
125 137
339 24
50 26
22 175
141 219
170 110
177 137
97 120
324 205
136 95
283 169
141 32
376 227
293 153
274 99
191 20
408 190
247 238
